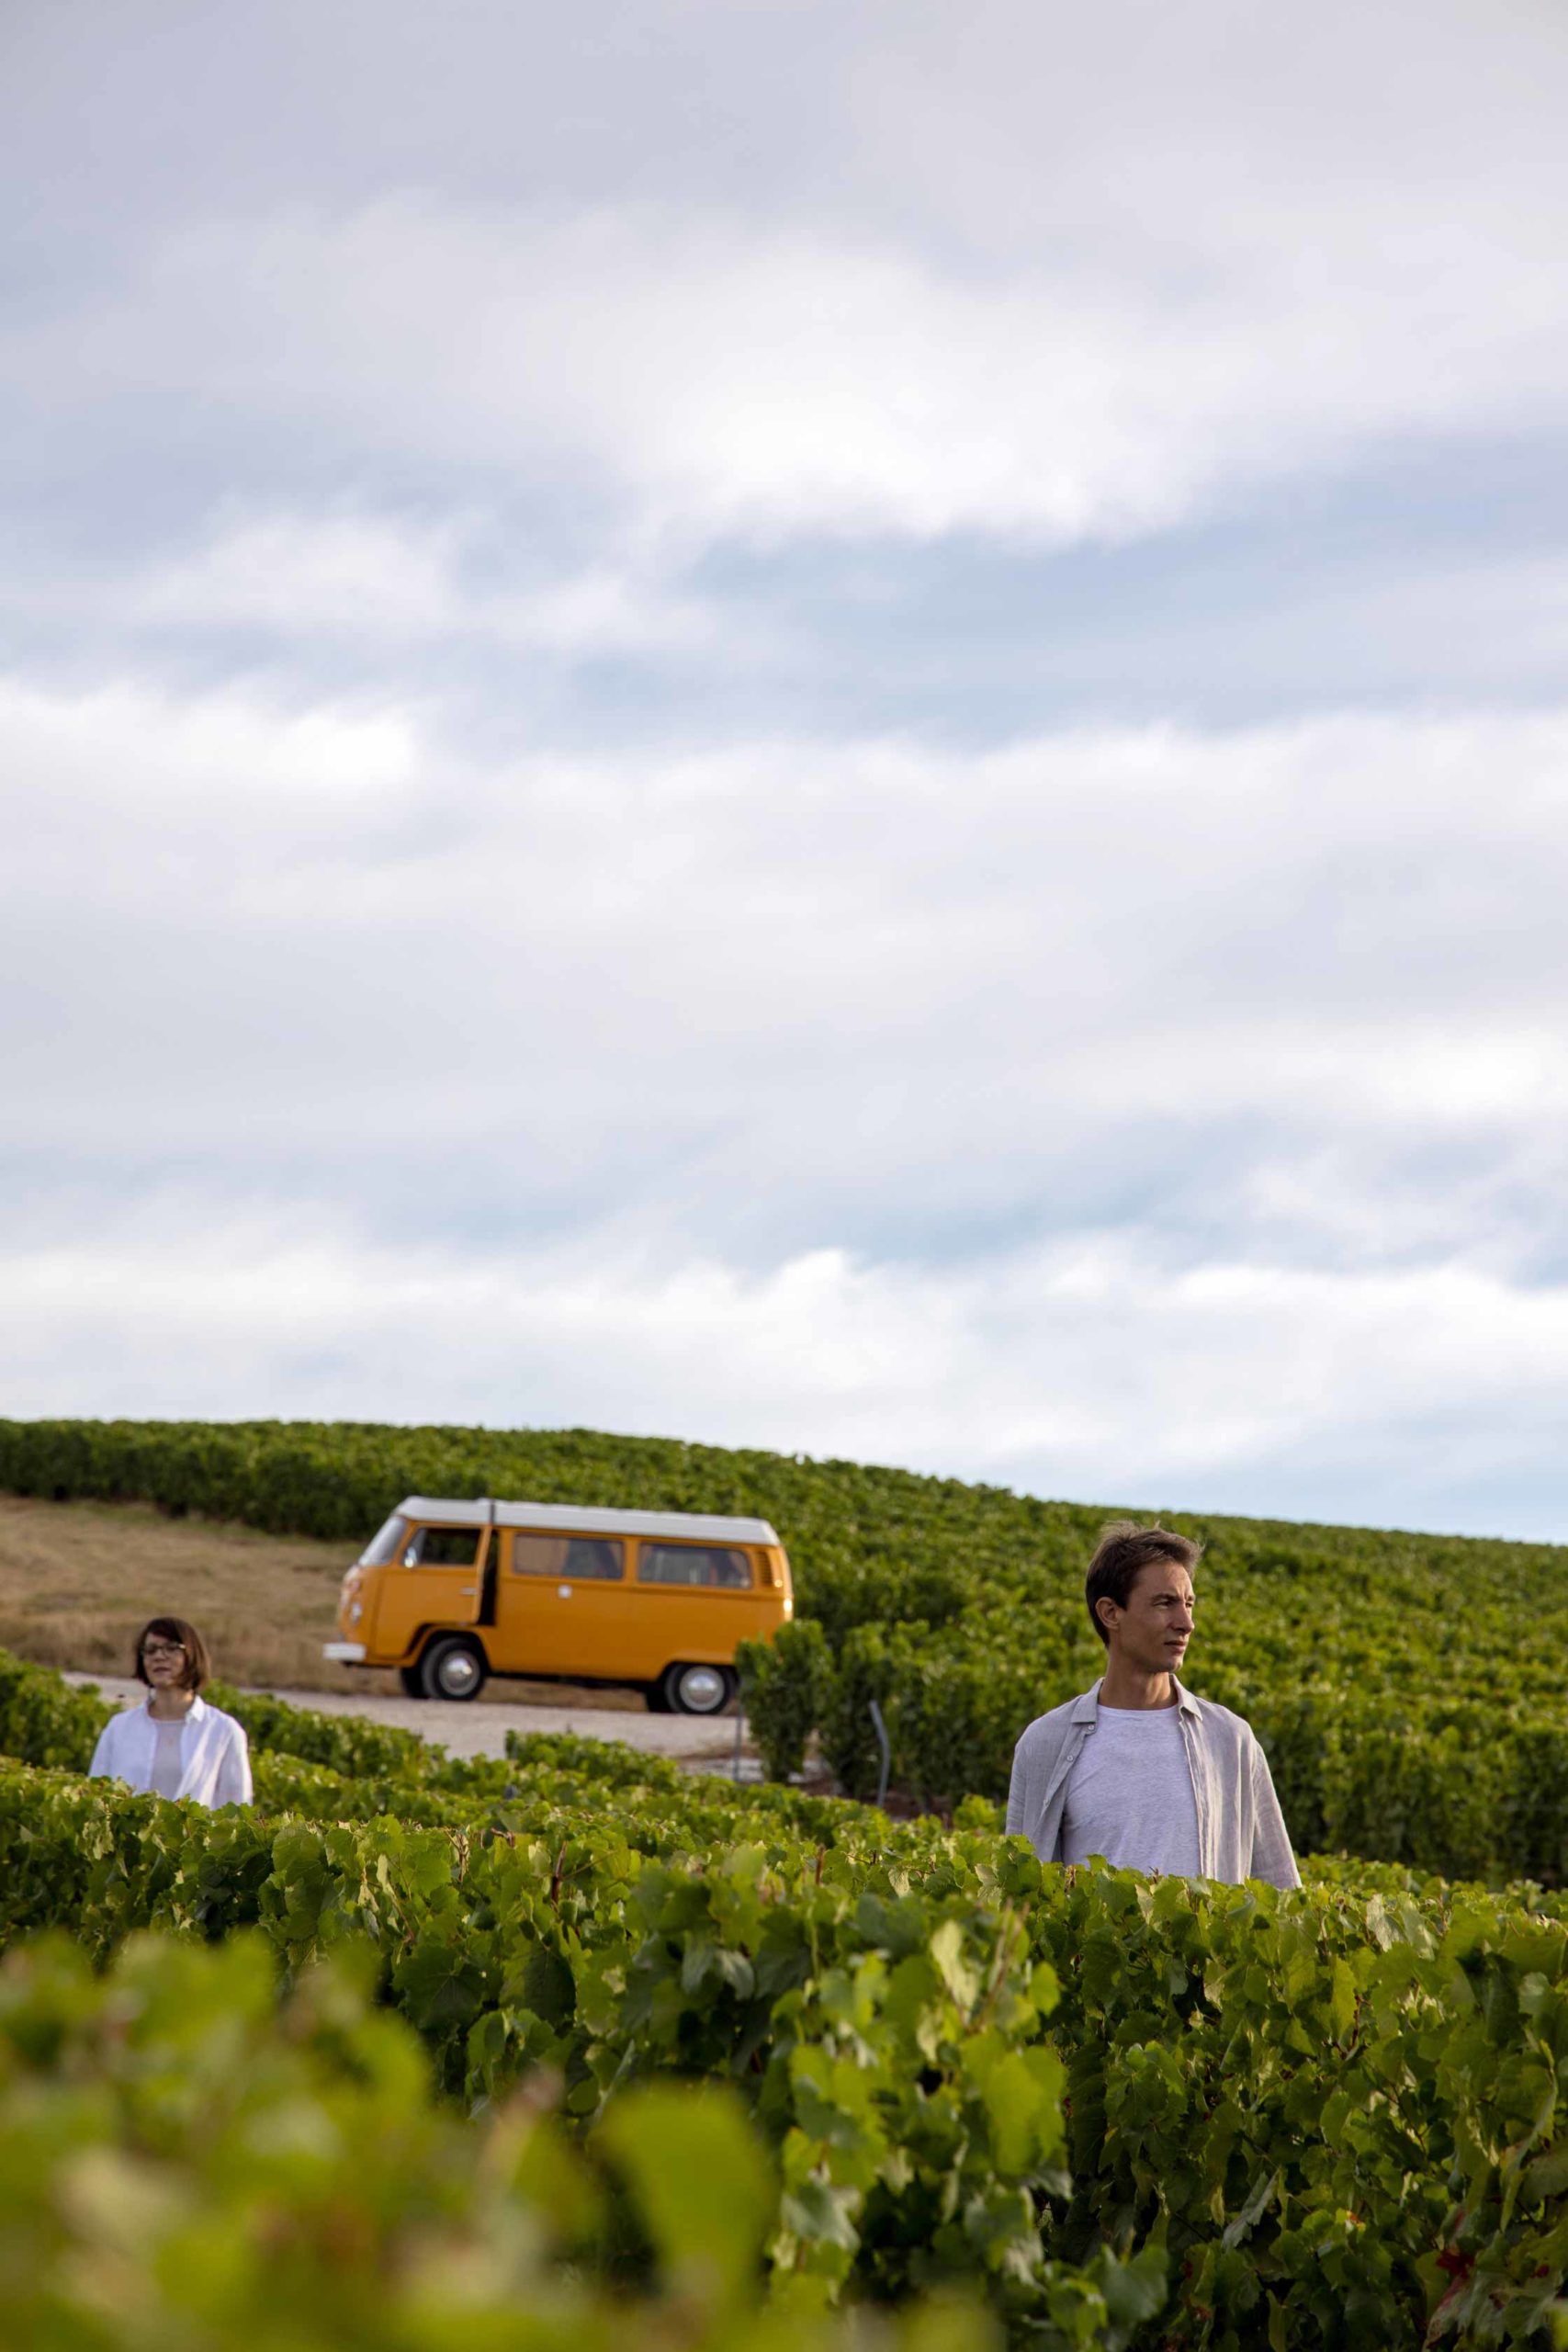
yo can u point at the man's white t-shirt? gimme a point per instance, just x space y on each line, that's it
1130 1794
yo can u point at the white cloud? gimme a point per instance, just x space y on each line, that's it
970 964
343 573
727 378
345 577
129 752
609 608
1291 998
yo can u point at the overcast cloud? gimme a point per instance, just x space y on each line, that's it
843 728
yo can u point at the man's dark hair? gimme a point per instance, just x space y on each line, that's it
1124 1548
197 1665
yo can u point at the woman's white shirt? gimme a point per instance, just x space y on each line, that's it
215 1763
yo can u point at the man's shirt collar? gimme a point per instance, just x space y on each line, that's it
1085 1709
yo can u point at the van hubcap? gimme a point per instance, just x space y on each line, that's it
702 1689
458 1673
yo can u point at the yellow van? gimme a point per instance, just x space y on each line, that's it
449 1592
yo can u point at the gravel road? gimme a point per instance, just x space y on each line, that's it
473 1728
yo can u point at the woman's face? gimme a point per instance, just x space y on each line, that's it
164 1661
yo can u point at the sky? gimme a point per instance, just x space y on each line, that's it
834 728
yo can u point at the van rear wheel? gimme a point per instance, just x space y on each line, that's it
696 1689
453 1668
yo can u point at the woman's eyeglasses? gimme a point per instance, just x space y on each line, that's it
162 1649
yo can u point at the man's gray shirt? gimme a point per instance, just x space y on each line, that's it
1241 1833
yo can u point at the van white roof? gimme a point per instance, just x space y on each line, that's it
567 1518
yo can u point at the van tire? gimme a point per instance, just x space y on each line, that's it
413 1682
453 1668
688 1689
654 1700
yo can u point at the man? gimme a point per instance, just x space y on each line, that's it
1138 1771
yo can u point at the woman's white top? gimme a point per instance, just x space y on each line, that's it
168 1756
213 1754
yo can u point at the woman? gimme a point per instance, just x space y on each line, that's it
174 1745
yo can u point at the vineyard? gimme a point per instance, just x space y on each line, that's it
1407 1688
598 2044
573 2049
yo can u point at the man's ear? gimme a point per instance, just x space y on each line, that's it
1101 1606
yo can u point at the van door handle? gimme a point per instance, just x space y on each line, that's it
563 1592
465 1592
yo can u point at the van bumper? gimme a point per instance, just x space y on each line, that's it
344 1653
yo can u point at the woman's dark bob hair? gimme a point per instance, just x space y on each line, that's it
198 1666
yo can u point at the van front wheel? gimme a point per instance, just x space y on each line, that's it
453 1668
696 1689
412 1680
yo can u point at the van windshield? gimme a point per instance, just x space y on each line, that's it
383 1547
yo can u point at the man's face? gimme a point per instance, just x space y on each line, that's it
1153 1631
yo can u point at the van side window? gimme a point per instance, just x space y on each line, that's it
443 1547
709 1564
575 1559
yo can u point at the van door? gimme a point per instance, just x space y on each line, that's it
436 1579
561 1607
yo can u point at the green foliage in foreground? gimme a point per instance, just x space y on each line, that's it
1407 1687
186 2162
1195 2117
892 2056
1327 2121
